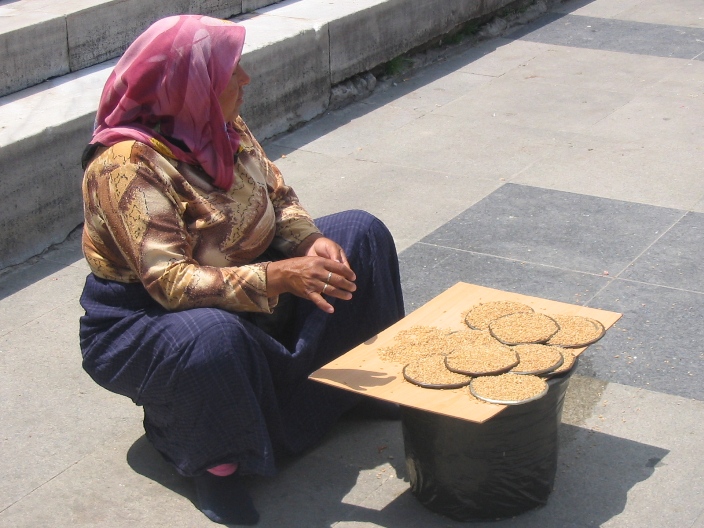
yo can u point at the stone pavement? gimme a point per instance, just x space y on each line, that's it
562 160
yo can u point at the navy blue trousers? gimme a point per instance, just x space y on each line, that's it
220 387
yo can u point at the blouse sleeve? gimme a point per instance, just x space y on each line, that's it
142 215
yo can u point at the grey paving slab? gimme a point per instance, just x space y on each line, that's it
102 489
607 461
569 252
674 259
46 398
686 82
672 496
498 56
429 89
662 173
29 293
655 344
469 148
612 466
652 119
673 13
595 70
333 492
638 38
564 230
538 105
354 127
68 252
699 207
612 9
427 270
699 522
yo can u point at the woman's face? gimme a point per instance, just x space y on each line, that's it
231 99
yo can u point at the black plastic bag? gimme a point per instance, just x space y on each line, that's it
479 471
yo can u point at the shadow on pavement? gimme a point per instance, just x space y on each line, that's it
596 471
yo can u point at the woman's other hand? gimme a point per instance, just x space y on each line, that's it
323 270
319 246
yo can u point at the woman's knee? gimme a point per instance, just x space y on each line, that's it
218 342
353 227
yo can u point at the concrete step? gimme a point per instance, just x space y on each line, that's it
296 51
42 39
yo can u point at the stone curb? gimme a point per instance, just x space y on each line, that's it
45 38
296 52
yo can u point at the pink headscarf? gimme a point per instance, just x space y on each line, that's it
167 84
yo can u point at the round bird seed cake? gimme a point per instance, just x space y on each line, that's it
537 359
480 315
523 328
492 358
570 358
508 389
576 331
430 373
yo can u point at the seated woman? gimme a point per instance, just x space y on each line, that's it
213 294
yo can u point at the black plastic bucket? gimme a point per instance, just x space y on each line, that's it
479 471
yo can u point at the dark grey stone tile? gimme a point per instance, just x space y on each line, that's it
676 258
657 344
555 228
427 271
610 34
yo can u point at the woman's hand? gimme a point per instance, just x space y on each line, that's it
319 246
321 268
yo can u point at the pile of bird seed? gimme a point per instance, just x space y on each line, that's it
416 342
576 331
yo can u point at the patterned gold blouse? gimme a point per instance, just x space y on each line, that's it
152 219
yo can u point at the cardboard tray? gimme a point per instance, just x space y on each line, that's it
362 371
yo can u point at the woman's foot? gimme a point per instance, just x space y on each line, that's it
224 500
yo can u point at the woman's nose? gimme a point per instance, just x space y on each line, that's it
245 78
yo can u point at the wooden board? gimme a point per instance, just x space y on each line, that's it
362 371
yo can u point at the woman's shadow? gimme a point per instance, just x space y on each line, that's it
310 488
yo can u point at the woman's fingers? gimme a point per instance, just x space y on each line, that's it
312 278
321 303
338 286
324 247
